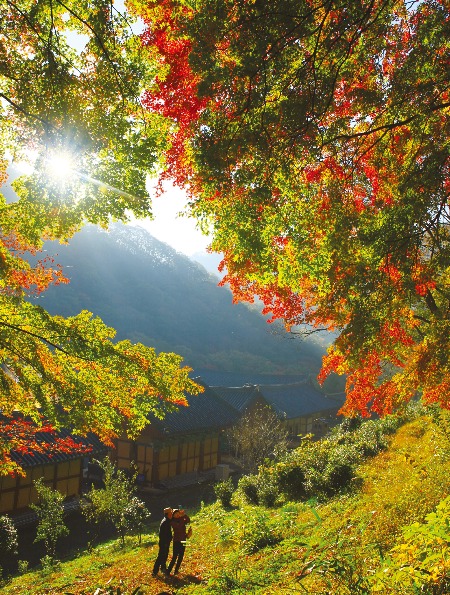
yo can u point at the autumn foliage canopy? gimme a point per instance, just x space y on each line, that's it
313 139
84 104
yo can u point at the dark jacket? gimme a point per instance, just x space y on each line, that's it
179 527
165 531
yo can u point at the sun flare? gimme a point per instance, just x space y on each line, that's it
60 166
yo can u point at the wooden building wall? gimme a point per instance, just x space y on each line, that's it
17 493
307 424
156 463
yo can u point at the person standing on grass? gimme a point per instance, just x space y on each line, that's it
179 521
165 537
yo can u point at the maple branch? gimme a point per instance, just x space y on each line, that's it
36 336
101 44
17 107
431 304
384 127
50 342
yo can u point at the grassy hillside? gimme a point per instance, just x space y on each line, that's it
350 543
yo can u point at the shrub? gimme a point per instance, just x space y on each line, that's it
116 503
257 531
250 528
350 424
23 566
337 476
135 516
8 536
369 439
390 424
267 488
291 479
48 564
248 486
420 562
224 492
50 512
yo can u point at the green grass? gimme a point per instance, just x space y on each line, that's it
298 547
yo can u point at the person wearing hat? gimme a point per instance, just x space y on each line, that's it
179 521
165 537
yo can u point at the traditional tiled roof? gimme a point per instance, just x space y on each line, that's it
290 401
239 397
237 379
54 454
298 400
206 411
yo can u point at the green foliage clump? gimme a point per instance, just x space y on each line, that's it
327 467
420 562
319 469
250 529
8 536
248 487
116 503
224 491
262 488
50 512
268 488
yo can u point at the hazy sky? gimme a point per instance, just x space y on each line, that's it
168 226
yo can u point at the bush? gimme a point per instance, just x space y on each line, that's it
390 424
419 562
224 492
337 476
267 488
8 536
257 532
23 566
116 503
50 512
350 424
369 439
291 480
248 487
250 529
135 516
322 468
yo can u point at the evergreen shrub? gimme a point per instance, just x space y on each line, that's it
248 487
8 536
224 492
267 488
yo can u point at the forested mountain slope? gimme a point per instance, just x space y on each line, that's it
152 294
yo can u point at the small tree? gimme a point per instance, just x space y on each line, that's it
8 538
135 516
259 435
50 512
117 503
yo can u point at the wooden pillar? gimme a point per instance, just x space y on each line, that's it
202 454
16 494
179 457
155 467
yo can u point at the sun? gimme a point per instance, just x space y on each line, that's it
60 166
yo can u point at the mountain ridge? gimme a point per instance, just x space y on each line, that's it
151 293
